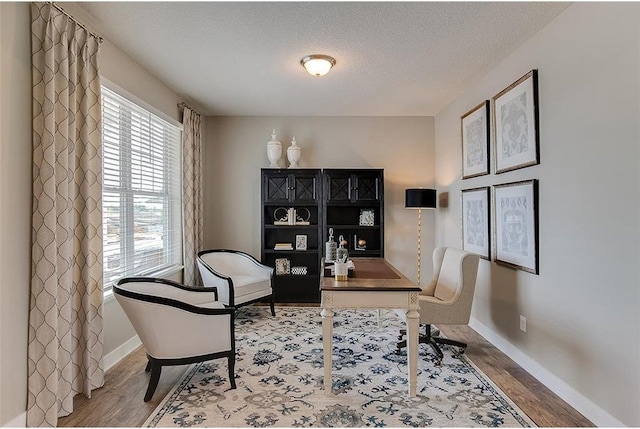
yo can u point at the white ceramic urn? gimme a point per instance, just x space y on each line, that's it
293 153
274 151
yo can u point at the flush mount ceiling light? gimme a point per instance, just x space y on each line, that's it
318 64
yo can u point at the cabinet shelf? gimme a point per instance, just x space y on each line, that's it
309 251
291 226
297 276
335 226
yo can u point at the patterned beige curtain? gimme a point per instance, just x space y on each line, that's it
65 317
192 192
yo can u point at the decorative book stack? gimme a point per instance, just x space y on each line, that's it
283 246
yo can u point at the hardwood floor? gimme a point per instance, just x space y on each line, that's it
119 403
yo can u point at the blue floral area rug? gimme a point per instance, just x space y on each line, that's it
279 376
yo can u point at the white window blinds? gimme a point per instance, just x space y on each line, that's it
141 191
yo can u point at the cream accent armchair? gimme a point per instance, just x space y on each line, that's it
239 277
447 299
177 324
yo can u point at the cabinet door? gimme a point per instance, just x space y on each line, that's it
277 187
338 187
366 187
304 187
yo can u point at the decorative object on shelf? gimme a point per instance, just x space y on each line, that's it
318 65
515 117
475 221
475 141
283 267
331 248
274 150
360 244
293 153
342 253
281 216
367 217
419 198
516 229
301 242
283 246
299 271
302 219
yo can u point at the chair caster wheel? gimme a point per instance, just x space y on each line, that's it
461 351
438 362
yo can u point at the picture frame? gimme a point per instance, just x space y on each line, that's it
283 267
301 242
367 217
476 215
516 225
475 126
516 129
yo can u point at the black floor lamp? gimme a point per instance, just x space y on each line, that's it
420 198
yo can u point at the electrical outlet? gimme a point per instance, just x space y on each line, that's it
523 323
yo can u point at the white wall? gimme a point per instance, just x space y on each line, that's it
15 205
236 149
583 308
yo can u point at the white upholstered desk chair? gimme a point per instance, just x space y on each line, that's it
240 278
447 299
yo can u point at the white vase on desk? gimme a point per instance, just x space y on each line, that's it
274 151
293 153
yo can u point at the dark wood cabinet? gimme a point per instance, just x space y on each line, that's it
351 201
286 186
353 186
297 270
353 205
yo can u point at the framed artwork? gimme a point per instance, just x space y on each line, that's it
516 228
283 267
367 217
301 242
475 141
516 136
475 221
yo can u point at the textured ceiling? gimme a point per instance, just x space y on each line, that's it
393 59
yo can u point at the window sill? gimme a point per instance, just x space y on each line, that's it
166 272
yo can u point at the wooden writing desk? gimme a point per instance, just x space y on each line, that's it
375 284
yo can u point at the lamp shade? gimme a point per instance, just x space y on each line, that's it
420 198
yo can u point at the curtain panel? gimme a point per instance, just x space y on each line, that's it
65 318
193 211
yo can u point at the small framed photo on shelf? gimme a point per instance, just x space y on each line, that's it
283 267
516 230
475 141
301 242
475 221
367 217
515 110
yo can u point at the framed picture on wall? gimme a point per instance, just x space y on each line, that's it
475 221
515 111
475 141
516 225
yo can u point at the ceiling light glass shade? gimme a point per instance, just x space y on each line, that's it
318 65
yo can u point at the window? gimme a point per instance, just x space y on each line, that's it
141 191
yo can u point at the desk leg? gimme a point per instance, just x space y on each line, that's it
413 324
327 346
